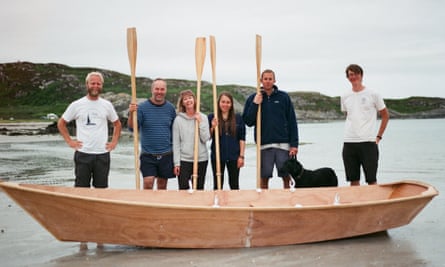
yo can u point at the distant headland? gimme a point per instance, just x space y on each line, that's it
30 91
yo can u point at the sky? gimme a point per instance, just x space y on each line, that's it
308 43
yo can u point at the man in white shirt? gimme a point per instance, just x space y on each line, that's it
92 149
360 149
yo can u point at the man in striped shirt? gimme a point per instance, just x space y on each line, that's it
155 118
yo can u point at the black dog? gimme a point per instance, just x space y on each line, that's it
307 178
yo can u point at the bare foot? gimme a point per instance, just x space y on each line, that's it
83 246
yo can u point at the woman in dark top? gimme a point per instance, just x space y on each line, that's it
232 136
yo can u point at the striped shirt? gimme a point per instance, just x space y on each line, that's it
155 124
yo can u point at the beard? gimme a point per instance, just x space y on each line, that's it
94 92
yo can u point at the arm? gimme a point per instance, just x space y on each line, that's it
131 112
242 149
204 131
251 109
384 114
176 147
117 128
212 123
293 129
61 125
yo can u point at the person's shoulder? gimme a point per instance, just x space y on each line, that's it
239 117
170 104
372 92
282 94
103 100
80 100
346 94
251 96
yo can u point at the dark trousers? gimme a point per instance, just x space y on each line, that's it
91 167
233 172
186 172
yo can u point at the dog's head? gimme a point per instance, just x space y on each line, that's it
293 167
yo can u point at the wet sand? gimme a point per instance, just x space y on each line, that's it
24 242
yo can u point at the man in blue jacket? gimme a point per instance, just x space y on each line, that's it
279 129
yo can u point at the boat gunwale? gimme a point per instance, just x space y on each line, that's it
430 192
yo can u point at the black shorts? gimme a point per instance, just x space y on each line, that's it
365 155
95 167
157 165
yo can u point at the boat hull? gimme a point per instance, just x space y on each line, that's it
219 219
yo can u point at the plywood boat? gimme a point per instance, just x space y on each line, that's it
220 219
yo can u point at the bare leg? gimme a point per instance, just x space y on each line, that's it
83 246
148 182
264 183
161 183
286 181
355 183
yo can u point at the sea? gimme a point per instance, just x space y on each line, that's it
410 149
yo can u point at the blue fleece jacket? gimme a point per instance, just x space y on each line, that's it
278 119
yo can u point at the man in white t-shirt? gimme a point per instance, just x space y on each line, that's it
92 149
360 149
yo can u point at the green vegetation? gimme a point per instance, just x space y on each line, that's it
29 91
415 104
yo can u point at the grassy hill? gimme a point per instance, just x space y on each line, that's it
29 91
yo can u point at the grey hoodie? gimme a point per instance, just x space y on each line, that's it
184 138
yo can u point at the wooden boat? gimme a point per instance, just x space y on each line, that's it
220 219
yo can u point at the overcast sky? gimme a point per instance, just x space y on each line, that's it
399 43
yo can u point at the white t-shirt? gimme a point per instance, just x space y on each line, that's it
92 118
361 119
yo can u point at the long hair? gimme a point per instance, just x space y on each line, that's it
229 125
180 107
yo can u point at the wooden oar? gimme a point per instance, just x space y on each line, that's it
258 117
215 110
200 53
132 51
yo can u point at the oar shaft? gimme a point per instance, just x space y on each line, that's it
215 112
258 120
132 52
200 50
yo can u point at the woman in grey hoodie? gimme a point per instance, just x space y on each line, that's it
184 139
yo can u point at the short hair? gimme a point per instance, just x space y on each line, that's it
182 95
158 80
94 73
355 69
268 71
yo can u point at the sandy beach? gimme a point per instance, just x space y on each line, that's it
24 242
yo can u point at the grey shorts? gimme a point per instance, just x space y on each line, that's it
271 157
